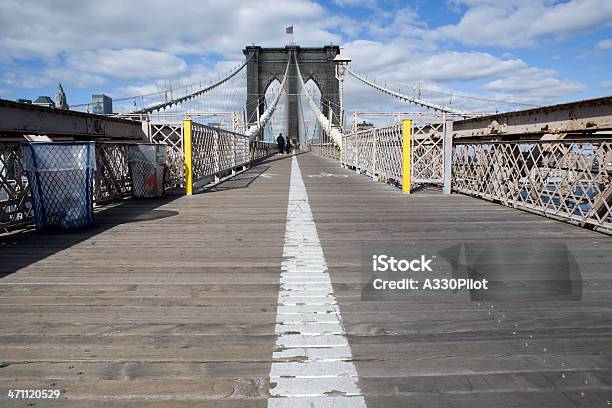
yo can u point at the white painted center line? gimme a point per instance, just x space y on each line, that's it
312 365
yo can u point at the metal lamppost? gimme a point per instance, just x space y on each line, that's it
342 61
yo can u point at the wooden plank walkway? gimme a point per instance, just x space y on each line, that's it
173 303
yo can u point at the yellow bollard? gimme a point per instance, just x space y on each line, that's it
188 156
406 140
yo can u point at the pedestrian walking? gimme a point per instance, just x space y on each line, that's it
280 141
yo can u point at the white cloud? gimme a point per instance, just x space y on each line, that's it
534 83
46 29
605 44
102 43
73 77
403 67
520 23
606 84
355 3
128 63
399 62
25 78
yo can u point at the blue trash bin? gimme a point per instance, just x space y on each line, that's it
61 176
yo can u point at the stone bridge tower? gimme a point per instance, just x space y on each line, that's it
267 64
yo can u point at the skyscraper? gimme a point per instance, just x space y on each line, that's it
60 98
102 104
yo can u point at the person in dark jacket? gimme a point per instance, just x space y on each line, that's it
288 146
280 140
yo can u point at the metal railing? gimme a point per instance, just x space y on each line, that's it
112 182
170 134
15 202
566 180
326 149
375 152
378 152
260 149
216 151
211 153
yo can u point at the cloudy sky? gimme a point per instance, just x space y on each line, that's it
531 51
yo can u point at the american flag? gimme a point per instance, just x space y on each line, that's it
289 30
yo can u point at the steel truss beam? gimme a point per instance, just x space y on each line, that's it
588 116
18 119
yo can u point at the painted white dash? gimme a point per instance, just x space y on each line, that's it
312 365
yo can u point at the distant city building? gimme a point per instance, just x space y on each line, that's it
102 104
20 100
44 101
364 125
60 97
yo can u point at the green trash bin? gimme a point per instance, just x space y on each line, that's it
60 175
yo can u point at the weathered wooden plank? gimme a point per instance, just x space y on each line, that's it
444 351
173 302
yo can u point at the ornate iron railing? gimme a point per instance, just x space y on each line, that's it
15 203
567 180
217 151
112 182
427 153
259 149
378 152
326 149
170 134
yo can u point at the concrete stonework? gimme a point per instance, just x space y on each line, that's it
267 64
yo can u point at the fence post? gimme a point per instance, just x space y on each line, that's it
406 140
146 130
374 154
233 148
188 156
448 156
216 155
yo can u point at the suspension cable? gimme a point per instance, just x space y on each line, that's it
333 132
407 98
254 130
194 94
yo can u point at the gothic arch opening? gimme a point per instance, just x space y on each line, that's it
278 122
